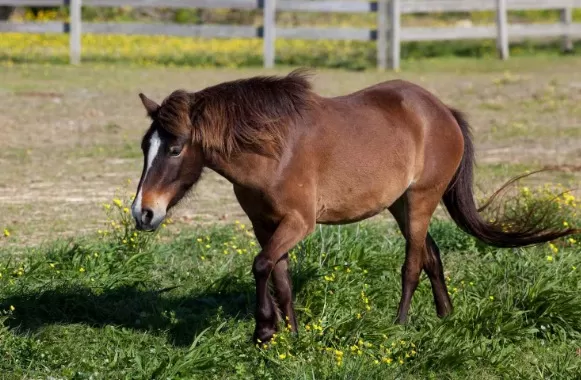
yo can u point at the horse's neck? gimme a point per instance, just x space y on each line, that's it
244 169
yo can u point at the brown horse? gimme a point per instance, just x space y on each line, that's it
297 159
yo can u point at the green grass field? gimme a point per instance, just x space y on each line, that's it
141 306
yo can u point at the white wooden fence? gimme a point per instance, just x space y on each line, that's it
388 32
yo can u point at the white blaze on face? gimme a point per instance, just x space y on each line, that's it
154 144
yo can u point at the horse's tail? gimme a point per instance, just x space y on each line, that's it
459 200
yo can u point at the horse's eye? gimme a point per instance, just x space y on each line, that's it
175 151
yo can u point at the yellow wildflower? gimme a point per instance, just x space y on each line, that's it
6 232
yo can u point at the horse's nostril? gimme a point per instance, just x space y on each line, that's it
146 216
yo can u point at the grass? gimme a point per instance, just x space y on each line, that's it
121 304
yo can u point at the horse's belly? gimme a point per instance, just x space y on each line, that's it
353 206
339 217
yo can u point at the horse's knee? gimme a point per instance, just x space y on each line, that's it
262 267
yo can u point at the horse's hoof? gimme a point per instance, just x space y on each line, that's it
263 335
400 320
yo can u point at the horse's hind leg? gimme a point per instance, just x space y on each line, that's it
413 212
435 271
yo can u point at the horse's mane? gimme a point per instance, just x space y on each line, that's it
247 114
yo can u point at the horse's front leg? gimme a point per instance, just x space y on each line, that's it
284 293
291 230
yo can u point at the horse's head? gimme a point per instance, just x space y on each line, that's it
172 160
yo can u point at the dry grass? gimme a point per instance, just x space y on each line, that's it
70 135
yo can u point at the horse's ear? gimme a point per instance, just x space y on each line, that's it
150 106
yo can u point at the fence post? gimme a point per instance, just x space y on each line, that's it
394 34
382 12
502 29
75 32
269 33
567 20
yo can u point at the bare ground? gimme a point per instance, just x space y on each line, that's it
70 136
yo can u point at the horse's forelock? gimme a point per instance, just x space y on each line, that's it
174 114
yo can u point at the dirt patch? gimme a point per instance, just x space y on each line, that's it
71 134
39 94
564 168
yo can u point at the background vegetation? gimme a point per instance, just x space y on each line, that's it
234 53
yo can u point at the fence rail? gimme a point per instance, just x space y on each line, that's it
388 32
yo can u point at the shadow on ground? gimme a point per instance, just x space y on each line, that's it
183 317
